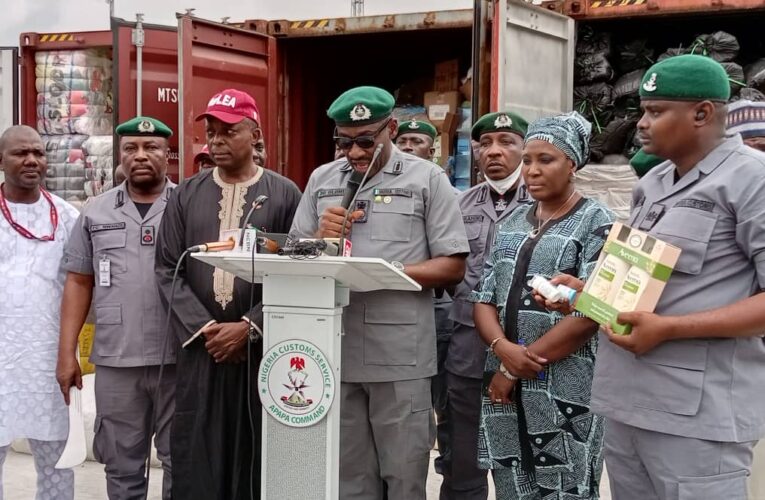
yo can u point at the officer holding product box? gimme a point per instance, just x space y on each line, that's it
683 392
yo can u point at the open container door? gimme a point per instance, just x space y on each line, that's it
532 60
9 87
158 77
213 57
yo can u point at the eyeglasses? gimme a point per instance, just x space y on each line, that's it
362 141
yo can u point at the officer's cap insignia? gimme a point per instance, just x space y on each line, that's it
650 84
503 121
414 125
360 112
146 127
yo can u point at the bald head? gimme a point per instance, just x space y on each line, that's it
15 133
22 159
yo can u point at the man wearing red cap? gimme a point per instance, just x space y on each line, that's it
214 433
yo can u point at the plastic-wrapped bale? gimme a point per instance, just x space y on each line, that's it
99 165
735 77
54 112
612 139
591 68
83 57
750 94
57 87
67 180
634 55
66 165
74 97
720 46
595 102
100 145
755 75
96 125
610 184
590 41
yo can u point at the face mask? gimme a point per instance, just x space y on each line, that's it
503 185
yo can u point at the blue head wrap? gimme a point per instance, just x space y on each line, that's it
570 133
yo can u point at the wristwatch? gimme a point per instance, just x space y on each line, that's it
398 265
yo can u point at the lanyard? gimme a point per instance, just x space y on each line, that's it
21 229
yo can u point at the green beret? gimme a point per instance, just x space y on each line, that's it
361 106
144 125
415 127
643 162
686 78
502 121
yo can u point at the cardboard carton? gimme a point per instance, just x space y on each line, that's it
447 75
440 104
636 252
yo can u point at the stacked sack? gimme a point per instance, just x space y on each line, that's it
74 115
608 76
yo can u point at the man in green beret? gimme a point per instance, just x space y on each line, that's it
416 138
109 261
683 391
406 212
499 138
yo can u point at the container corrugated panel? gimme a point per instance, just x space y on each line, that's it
608 9
9 87
214 57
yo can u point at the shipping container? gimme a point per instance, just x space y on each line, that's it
319 59
216 56
9 87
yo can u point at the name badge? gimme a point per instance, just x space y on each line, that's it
147 235
364 206
105 272
652 217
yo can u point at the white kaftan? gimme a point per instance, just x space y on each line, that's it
31 285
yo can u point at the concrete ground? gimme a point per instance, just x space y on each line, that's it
19 477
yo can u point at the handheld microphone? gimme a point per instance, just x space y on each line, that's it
355 193
354 183
213 246
256 205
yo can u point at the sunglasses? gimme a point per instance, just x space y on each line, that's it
362 141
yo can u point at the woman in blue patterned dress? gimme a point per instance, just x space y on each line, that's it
537 433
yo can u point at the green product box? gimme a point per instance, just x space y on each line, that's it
631 273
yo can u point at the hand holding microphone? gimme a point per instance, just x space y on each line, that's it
331 222
336 222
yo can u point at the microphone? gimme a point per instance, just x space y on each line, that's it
354 183
256 205
354 194
214 246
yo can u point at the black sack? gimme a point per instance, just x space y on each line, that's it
595 102
612 139
755 75
629 85
735 77
592 68
590 41
635 55
720 46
